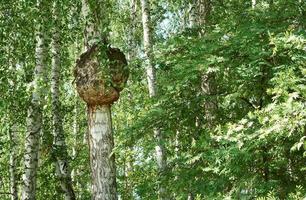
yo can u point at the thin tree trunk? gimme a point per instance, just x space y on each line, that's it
208 90
13 167
34 118
127 172
208 87
59 144
128 168
151 78
131 32
190 196
75 141
253 3
101 144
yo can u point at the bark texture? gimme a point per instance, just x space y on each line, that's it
13 167
210 105
101 156
99 84
151 78
131 30
34 118
59 145
199 12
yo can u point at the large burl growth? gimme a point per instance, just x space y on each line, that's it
99 81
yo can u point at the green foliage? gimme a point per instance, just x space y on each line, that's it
244 139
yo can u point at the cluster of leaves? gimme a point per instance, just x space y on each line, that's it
256 146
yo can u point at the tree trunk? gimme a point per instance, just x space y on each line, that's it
129 164
131 32
100 136
59 144
13 167
204 7
151 78
199 11
74 172
190 196
253 3
192 14
101 144
210 105
34 119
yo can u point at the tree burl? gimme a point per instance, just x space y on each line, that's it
99 81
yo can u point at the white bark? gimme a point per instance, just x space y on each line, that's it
253 3
13 167
59 144
148 48
91 32
131 32
102 159
75 141
151 78
190 196
34 120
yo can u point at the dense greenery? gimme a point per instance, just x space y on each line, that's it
243 138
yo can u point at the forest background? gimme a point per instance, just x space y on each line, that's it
225 117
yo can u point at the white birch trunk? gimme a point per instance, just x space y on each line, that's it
253 3
13 167
151 78
101 144
131 32
75 141
59 144
34 119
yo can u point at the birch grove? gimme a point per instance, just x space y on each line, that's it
34 118
152 99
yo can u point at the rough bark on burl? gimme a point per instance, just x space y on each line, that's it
100 82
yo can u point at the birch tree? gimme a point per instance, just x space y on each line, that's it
151 79
34 118
100 74
59 144
13 165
